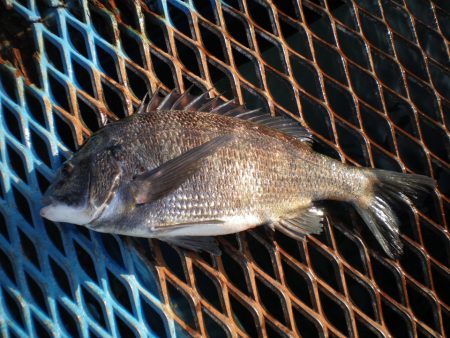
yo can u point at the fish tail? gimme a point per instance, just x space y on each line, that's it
384 188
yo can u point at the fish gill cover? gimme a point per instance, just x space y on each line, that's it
370 79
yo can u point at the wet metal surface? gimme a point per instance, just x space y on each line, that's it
370 79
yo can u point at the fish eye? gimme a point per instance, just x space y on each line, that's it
67 169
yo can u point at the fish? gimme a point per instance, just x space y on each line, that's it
185 168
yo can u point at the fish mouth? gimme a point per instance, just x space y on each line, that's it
60 212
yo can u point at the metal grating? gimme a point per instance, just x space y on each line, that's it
371 80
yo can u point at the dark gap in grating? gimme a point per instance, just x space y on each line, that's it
383 161
253 100
213 42
163 71
119 291
274 332
443 19
124 329
22 205
288 7
299 283
319 23
107 62
441 281
398 20
58 92
77 40
281 91
181 305
237 28
35 107
446 321
377 128
102 25
344 12
85 261
130 45
398 322
442 175
207 9
270 51
306 325
180 19
68 321
389 72
40 147
28 249
388 280
271 301
433 44
236 4
430 206
410 57
335 312
173 260
366 330
435 242
243 317
261 15
376 32
423 306
12 122
7 266
189 56
156 32
14 308
342 102
55 235
40 329
137 84
352 143
89 114
306 76
316 117
235 273
37 293
401 113
362 295
325 267
212 327
114 100
329 61
370 5
422 10
53 53
246 65
4 227
413 262
352 46
8 84
349 248
441 79
112 248
261 255
127 13
16 162
365 86
65 133
296 37
153 320
412 154
60 276
83 77
208 288
221 79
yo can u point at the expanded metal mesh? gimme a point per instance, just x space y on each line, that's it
369 78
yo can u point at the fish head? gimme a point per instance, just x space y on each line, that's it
82 188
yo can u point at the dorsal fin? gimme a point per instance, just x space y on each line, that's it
203 103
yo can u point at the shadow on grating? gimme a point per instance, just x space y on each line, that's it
370 79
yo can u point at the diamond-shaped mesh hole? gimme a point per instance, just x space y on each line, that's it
208 287
28 249
182 305
244 317
68 320
398 322
153 319
335 312
271 301
7 266
85 261
306 324
214 328
13 307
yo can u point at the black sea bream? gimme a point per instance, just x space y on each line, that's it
184 168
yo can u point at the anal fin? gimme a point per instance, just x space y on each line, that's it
195 243
308 221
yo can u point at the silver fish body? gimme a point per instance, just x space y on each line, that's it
181 170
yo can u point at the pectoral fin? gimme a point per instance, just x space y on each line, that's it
170 175
309 221
195 243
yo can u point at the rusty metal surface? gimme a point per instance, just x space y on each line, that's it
370 79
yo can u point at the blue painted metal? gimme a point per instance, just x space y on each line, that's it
55 278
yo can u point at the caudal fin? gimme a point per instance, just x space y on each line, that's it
375 209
